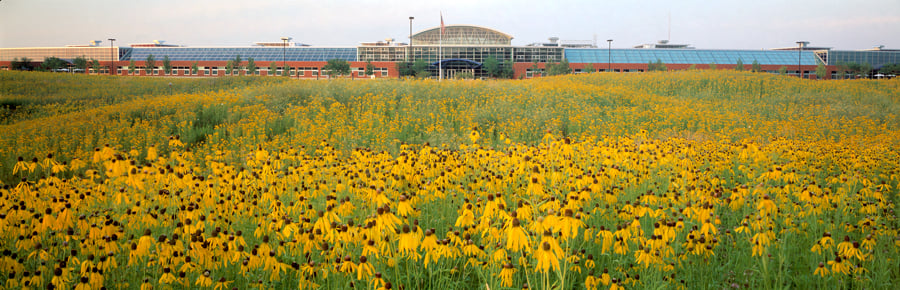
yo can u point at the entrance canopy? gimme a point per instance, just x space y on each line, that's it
457 63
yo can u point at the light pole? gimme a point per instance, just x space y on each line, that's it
284 41
609 55
112 61
409 53
799 57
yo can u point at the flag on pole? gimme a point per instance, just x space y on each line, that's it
442 23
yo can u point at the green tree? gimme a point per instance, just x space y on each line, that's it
755 67
712 65
740 65
336 66
657 66
893 69
229 67
464 76
536 71
21 64
782 70
149 64
95 64
859 69
842 70
404 69
272 68
15 64
865 69
420 69
821 71
167 65
370 68
692 67
131 66
589 68
81 63
508 71
491 66
251 66
52 63
195 67
559 68
236 64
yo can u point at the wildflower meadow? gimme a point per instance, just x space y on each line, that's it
662 180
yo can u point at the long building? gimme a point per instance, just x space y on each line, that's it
462 49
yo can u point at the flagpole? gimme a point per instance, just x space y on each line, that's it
441 51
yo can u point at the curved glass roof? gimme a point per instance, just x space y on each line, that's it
690 56
259 54
462 35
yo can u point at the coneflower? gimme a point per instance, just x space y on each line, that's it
546 259
516 238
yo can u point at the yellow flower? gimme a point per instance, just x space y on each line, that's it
591 282
766 207
364 270
506 275
83 284
222 284
823 244
146 285
615 286
204 280
546 259
868 243
838 266
466 218
845 245
347 266
821 270
516 239
567 225
167 277
474 136
404 209
21 166
152 155
409 243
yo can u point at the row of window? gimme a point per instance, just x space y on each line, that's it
478 54
215 71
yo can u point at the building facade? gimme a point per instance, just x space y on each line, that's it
459 49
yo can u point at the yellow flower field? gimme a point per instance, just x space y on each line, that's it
692 179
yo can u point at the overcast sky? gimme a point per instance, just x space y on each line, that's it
753 24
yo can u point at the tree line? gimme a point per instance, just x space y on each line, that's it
420 68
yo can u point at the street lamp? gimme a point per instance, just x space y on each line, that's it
409 51
284 41
112 61
800 45
609 55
